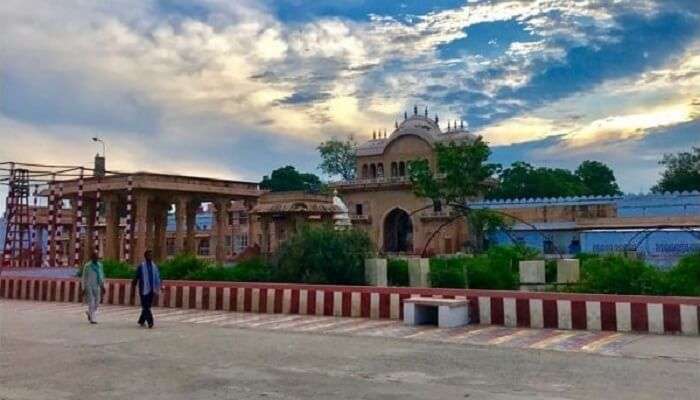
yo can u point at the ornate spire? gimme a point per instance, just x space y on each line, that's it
405 115
437 120
384 133
426 111
374 135
449 127
461 124
415 110
396 124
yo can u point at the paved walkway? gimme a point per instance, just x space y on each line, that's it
54 272
605 343
49 352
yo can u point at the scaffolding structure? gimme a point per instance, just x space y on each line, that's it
41 186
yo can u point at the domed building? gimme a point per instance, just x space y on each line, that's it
380 199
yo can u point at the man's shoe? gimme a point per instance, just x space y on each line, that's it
93 322
87 314
150 326
142 324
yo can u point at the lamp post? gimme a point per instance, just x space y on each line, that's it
96 139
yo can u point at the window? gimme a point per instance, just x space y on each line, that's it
240 242
227 240
170 246
437 206
373 171
243 218
402 169
358 209
364 172
380 170
394 169
203 248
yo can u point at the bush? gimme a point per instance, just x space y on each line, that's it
616 274
550 271
324 255
448 272
397 272
181 267
495 269
684 278
253 270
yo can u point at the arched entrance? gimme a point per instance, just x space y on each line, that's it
398 232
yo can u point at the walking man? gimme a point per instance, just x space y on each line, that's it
148 279
93 286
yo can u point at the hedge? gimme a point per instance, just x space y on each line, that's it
397 272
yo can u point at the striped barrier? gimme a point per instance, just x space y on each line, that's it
653 314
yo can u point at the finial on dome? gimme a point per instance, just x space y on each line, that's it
405 115
396 124
461 124
374 135
449 126
415 110
426 111
384 133
437 120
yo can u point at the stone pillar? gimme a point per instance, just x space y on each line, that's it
375 272
218 231
532 274
86 241
182 203
111 247
141 226
191 220
568 270
419 272
160 221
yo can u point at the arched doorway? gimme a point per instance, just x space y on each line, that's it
398 232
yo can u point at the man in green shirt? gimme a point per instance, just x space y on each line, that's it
93 285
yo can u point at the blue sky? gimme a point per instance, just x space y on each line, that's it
236 89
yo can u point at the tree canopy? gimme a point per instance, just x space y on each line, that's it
338 157
463 174
682 172
288 178
522 180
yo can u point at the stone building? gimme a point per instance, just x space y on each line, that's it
380 199
278 216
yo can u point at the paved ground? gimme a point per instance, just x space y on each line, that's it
55 272
48 351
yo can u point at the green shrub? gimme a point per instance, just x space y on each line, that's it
616 274
253 270
684 278
324 255
550 271
397 272
495 269
448 272
181 266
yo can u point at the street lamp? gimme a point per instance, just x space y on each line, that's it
96 139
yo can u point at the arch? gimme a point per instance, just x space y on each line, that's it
398 232
372 171
364 172
394 169
402 168
380 170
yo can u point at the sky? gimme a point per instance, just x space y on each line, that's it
235 89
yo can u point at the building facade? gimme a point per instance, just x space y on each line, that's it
380 200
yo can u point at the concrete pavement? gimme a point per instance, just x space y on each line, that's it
48 351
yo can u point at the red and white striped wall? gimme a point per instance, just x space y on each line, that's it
489 307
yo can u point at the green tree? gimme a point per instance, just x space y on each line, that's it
522 180
464 174
598 178
682 172
338 157
288 178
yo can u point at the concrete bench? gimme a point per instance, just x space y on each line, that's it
445 313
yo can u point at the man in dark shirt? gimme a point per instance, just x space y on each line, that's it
148 280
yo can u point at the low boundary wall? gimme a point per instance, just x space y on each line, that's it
508 308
